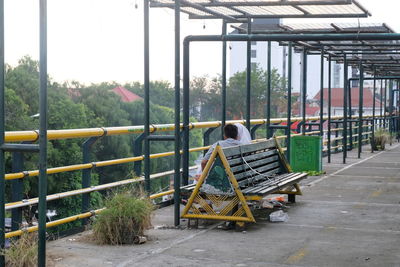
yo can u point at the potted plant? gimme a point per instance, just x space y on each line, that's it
380 139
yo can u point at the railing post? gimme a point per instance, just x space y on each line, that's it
350 115
329 107
42 207
146 79
206 137
304 89
360 110
269 88
372 140
344 132
248 78
390 108
17 186
138 151
87 174
253 130
177 113
289 102
321 115
223 81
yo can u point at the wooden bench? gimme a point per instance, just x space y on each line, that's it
235 175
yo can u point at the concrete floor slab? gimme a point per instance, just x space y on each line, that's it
349 217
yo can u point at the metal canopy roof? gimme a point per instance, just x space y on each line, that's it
383 56
239 10
296 28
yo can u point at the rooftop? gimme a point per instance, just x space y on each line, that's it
241 10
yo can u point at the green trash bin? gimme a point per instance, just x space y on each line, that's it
306 153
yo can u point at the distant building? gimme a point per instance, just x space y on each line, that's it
337 101
126 95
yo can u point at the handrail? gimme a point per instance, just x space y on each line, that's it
32 136
161 127
98 132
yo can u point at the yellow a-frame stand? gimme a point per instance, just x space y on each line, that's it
230 206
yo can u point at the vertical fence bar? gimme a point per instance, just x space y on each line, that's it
248 77
146 97
87 174
2 129
269 88
223 81
384 104
289 102
398 111
329 106
42 134
321 108
390 109
360 110
350 114
177 159
304 90
381 103
17 186
345 77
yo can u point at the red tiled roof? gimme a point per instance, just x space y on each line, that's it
310 111
337 97
125 94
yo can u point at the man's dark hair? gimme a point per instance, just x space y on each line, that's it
231 131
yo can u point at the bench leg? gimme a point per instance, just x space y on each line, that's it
292 198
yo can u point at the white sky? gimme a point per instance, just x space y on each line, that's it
102 40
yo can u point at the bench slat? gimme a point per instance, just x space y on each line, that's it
284 183
238 150
254 164
260 186
251 157
262 169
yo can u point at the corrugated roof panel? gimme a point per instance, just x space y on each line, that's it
332 9
195 11
252 10
282 10
225 11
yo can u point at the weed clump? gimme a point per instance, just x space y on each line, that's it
125 218
22 252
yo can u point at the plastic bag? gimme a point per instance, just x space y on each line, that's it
279 216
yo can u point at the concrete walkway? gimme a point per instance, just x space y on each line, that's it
349 217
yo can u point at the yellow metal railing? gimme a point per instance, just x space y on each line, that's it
19 136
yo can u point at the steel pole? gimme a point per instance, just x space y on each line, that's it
185 113
42 134
2 130
360 110
223 81
345 75
321 110
350 113
289 102
177 159
146 97
248 77
384 105
373 113
269 88
329 106
381 104
304 90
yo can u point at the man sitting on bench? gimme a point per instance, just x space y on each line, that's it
230 139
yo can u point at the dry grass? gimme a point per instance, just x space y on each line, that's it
22 252
126 216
